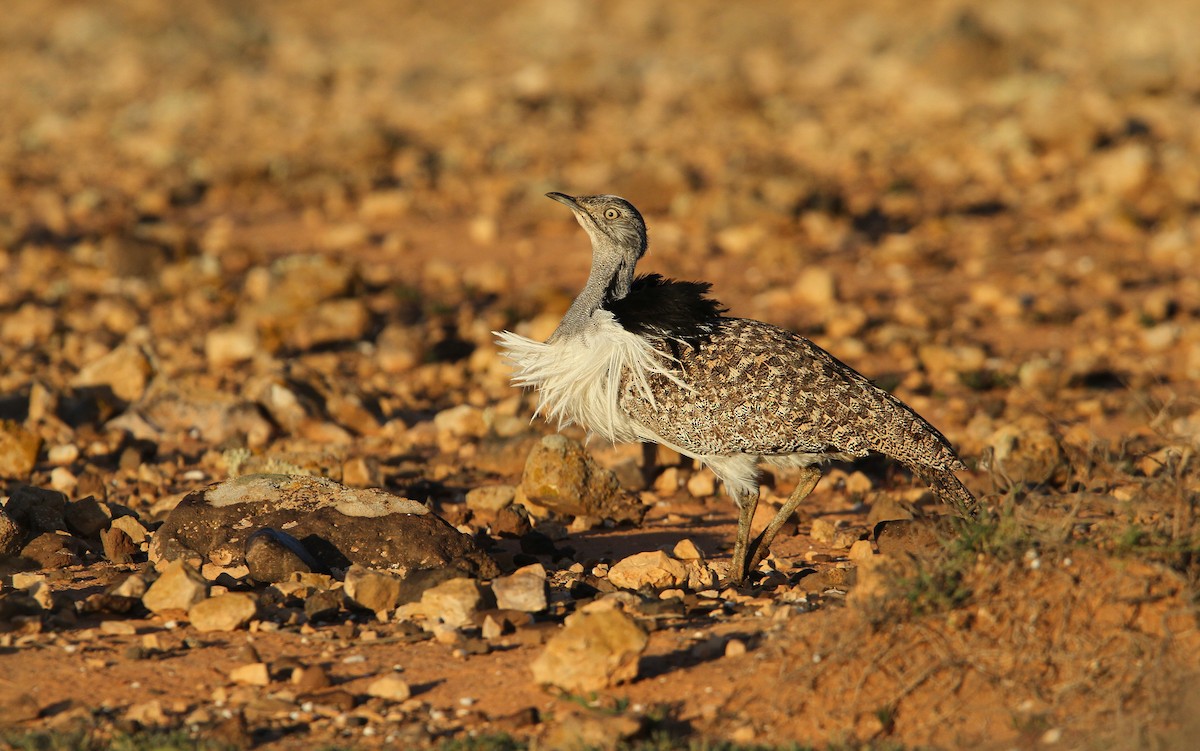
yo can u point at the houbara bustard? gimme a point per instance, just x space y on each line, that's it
643 358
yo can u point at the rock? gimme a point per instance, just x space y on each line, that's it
584 730
876 581
227 612
511 521
12 535
377 591
51 550
118 546
345 320
310 678
823 531
87 516
524 590
888 508
132 527
390 687
230 344
179 587
452 602
490 497
19 449
1024 452
273 556
37 509
178 408
457 423
816 286
861 550
133 586
593 651
323 604
654 569
686 550
562 476
125 371
702 484
912 536
340 526
252 674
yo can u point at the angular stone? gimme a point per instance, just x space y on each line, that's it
37 509
18 450
452 602
593 651
52 550
822 531
125 371
179 587
562 476
12 535
377 591
490 497
654 569
1025 452
390 687
252 674
686 550
340 526
273 556
524 589
131 526
87 516
227 612
118 547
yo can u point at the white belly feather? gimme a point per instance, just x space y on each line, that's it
579 378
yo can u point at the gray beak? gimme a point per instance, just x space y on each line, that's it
565 199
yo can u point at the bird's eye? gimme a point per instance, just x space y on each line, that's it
611 213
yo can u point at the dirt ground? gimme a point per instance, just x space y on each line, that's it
992 209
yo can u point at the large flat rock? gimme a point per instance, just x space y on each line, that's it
339 526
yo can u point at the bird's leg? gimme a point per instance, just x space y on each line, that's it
746 503
809 477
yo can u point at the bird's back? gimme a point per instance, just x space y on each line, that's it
753 388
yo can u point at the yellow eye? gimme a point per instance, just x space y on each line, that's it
611 213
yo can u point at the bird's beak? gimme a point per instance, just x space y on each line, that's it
565 199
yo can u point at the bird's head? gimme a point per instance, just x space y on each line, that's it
618 235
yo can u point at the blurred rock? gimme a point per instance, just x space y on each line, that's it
654 570
252 674
227 612
51 550
562 476
1025 452
389 687
178 587
593 651
340 526
490 497
125 371
273 556
453 602
87 517
18 450
822 531
524 589
179 409
131 526
229 345
118 546
919 537
377 591
12 535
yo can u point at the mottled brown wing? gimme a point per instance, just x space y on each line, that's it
759 389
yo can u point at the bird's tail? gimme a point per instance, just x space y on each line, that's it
950 489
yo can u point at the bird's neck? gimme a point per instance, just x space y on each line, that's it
605 282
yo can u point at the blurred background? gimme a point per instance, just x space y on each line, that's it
952 196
